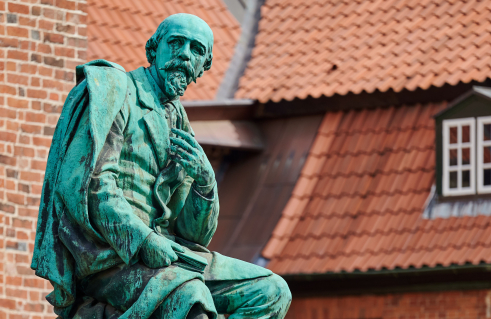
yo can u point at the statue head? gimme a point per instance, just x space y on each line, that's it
181 50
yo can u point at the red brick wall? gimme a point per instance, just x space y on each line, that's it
469 304
41 42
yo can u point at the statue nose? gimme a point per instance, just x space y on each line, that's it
185 52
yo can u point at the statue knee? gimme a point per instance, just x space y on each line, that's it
278 287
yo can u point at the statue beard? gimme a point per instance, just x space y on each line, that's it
179 74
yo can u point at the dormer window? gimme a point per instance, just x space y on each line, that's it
484 154
464 145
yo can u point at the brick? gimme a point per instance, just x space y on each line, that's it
28 68
65 28
21 223
82 31
36 82
18 8
37 94
35 117
41 141
7 303
46 25
9 42
7 208
23 188
36 58
48 2
27 21
29 128
54 38
13 281
27 212
44 48
17 55
59 63
7 89
17 103
16 198
17 293
30 176
63 51
76 42
23 151
12 18
76 18
18 32
8 113
18 79
36 11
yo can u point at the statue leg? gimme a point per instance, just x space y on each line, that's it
191 300
264 297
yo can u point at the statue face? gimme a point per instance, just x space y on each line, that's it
182 53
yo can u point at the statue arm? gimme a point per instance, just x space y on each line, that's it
109 211
198 217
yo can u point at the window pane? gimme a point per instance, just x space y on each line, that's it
487 132
466 137
487 154
453 135
487 177
466 179
466 156
453 157
453 179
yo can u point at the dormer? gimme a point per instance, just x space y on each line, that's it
463 145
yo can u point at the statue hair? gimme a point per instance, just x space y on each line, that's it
153 44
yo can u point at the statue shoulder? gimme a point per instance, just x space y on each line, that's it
102 76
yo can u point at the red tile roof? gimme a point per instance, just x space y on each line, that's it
327 47
118 31
359 202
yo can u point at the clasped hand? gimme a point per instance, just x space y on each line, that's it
158 251
192 158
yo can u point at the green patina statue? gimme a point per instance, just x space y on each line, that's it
130 201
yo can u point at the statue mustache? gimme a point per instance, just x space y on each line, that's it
178 64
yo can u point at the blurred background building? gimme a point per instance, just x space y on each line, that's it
351 142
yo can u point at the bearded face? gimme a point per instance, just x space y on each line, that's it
181 54
178 75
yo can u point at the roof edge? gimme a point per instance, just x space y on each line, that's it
243 51
217 103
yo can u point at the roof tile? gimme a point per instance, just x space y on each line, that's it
359 205
384 44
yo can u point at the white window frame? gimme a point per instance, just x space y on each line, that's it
446 190
481 189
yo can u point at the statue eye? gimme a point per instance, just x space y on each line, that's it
176 41
198 49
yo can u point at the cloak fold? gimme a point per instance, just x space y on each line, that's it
102 89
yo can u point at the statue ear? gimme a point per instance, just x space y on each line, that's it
207 64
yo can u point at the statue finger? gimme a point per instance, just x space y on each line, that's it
172 256
181 152
187 137
182 143
167 261
176 247
184 163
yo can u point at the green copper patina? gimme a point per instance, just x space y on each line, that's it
130 201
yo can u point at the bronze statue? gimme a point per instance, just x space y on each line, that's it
130 200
